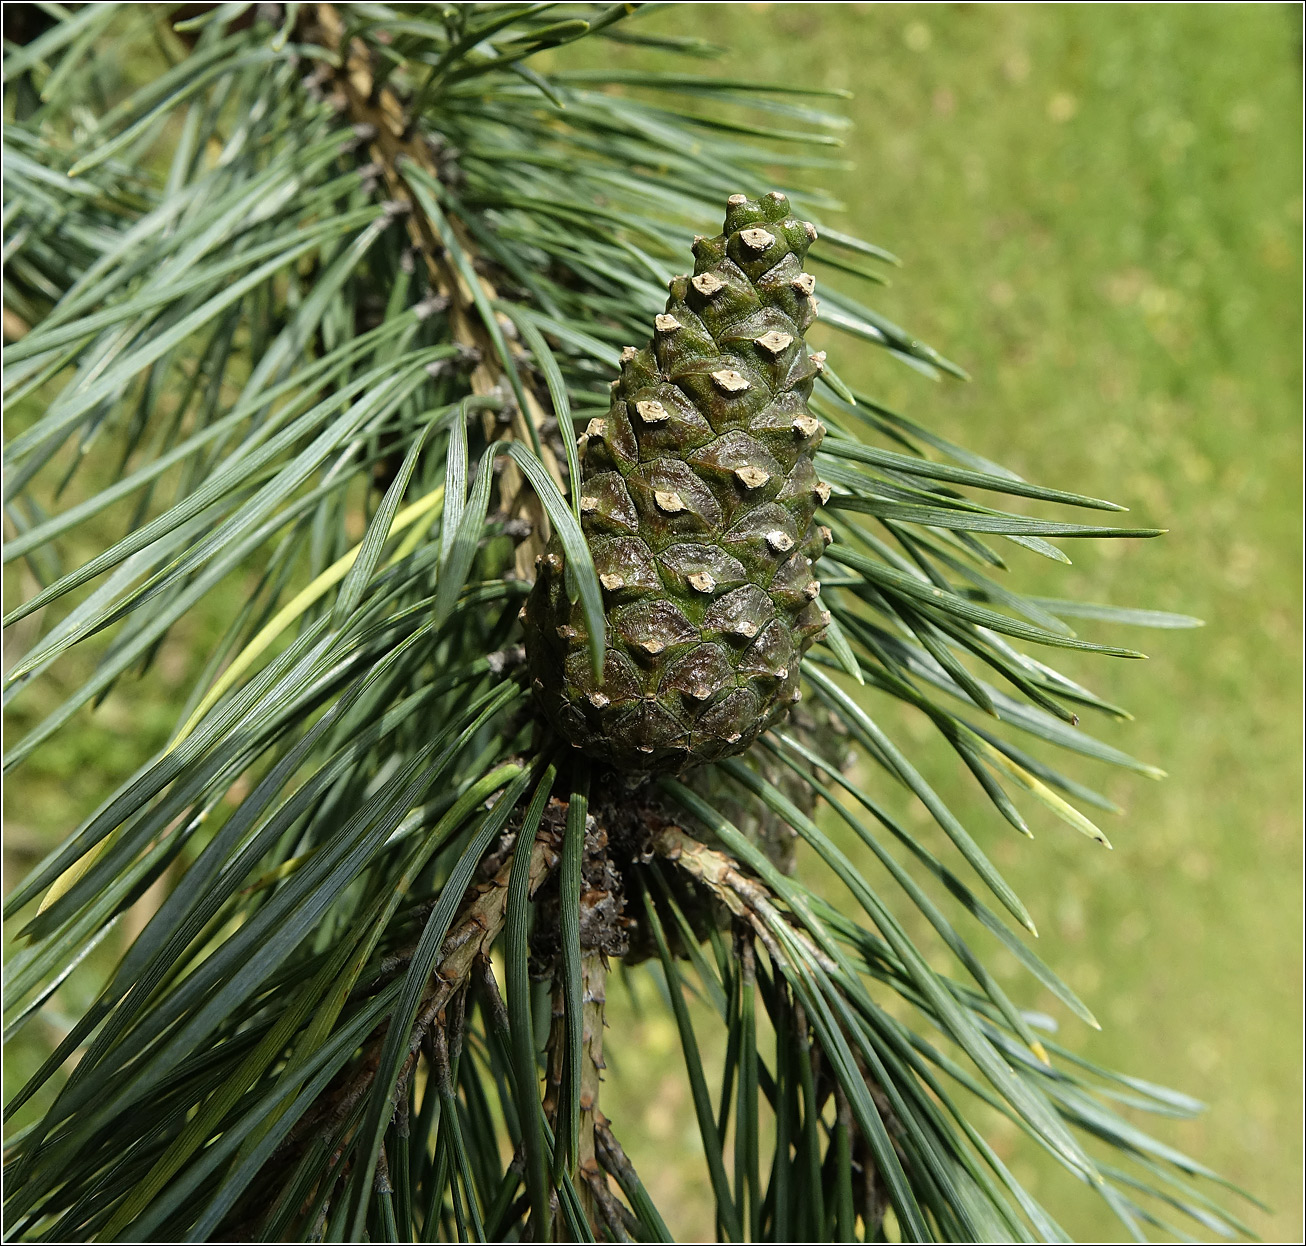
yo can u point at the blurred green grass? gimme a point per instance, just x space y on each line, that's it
1098 209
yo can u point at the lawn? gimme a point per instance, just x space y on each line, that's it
1098 210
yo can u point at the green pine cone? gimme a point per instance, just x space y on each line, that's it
697 498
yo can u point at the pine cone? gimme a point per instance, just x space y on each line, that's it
697 499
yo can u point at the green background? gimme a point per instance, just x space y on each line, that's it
1098 209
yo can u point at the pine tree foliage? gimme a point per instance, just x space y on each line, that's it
332 290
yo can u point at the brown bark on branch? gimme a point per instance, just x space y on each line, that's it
745 897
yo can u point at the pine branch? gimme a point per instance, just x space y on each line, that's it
595 1198
394 142
479 923
743 896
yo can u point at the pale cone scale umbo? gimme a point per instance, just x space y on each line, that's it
697 498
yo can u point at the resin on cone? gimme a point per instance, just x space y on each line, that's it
697 498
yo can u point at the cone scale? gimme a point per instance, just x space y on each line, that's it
697 498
